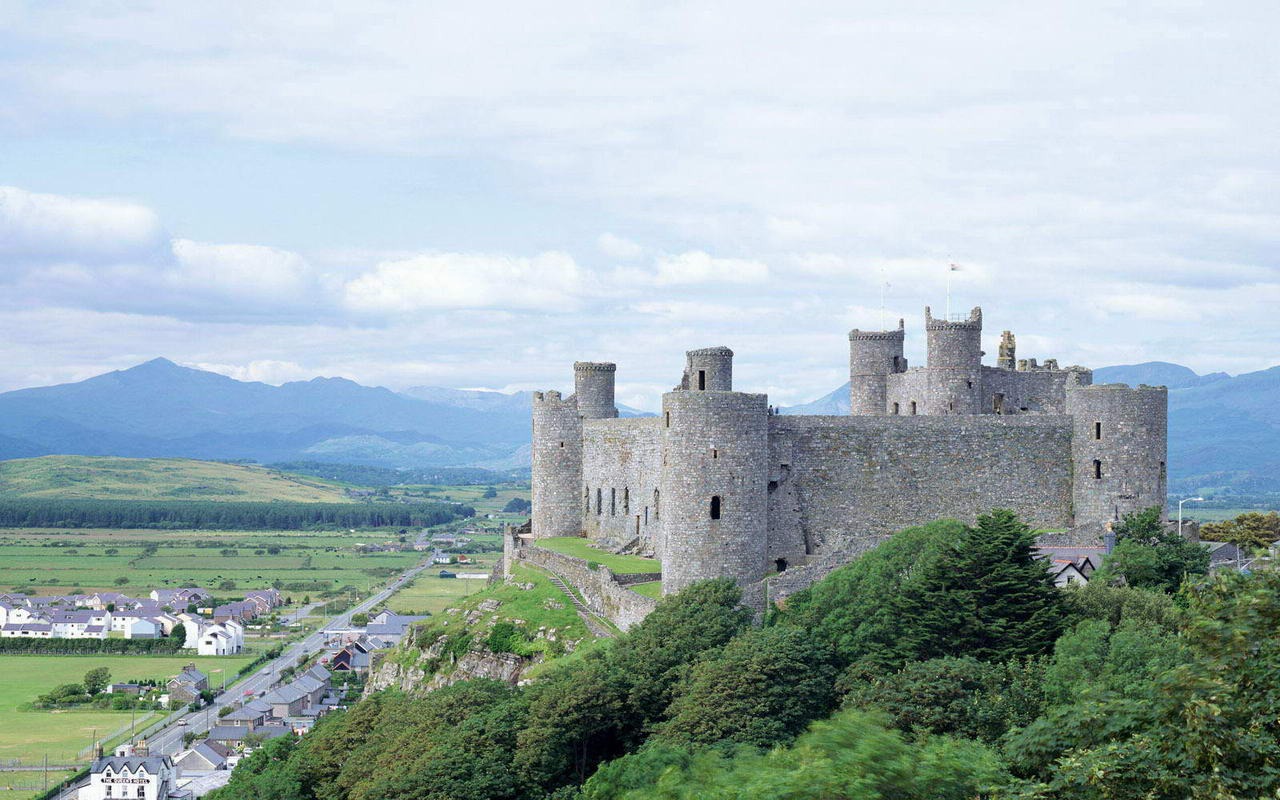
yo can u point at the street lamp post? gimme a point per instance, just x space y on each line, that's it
1186 500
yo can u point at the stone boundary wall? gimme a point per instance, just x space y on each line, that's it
600 588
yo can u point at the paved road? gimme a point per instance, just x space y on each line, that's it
169 740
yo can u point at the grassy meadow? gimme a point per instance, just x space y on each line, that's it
584 548
107 478
28 736
50 561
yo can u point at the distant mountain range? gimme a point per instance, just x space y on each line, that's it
1224 432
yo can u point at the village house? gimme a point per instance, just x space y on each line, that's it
186 686
142 777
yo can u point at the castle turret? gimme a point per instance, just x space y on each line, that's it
593 387
1119 448
873 356
955 363
558 500
1008 357
714 486
709 369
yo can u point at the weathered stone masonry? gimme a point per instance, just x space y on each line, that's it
716 485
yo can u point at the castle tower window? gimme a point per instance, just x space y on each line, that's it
913 408
613 502
781 564
951 405
668 419
599 500
1097 430
1097 469
588 499
997 403
715 507
637 524
655 505
1162 471
646 515
702 380
626 500
562 444
896 409
715 453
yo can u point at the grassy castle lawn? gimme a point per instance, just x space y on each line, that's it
649 589
29 735
583 548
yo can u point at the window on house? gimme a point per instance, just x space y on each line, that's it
715 507
599 500
1097 468
613 502
702 380
1097 430
142 791
896 409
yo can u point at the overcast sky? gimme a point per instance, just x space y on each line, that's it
475 195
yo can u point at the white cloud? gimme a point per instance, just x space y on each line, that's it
264 371
41 228
696 266
618 247
549 281
260 274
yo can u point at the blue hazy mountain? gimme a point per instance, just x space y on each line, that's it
1224 431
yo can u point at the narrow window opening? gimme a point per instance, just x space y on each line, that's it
773 486
913 408
668 419
1097 430
599 501
997 403
715 453
1097 469
588 499
613 502
655 504
897 363
626 501
896 409
969 383
951 405
562 444
715 507
1162 471
646 515
637 524
781 564
702 380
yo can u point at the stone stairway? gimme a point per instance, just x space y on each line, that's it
592 619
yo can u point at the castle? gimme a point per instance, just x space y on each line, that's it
718 484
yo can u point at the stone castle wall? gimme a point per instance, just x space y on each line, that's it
557 465
867 476
622 464
600 588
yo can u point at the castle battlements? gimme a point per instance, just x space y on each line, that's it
718 485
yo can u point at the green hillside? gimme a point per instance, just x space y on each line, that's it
107 478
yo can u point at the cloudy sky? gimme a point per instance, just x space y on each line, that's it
475 195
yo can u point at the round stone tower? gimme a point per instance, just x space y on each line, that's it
1119 449
710 369
557 466
955 364
593 386
714 486
873 356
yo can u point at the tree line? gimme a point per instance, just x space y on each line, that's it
210 515
943 664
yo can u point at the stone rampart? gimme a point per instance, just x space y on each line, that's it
600 588
621 468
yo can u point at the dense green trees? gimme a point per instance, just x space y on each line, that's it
943 664
1249 530
166 514
1151 555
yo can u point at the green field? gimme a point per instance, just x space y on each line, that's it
55 562
63 735
583 548
431 594
650 589
106 478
